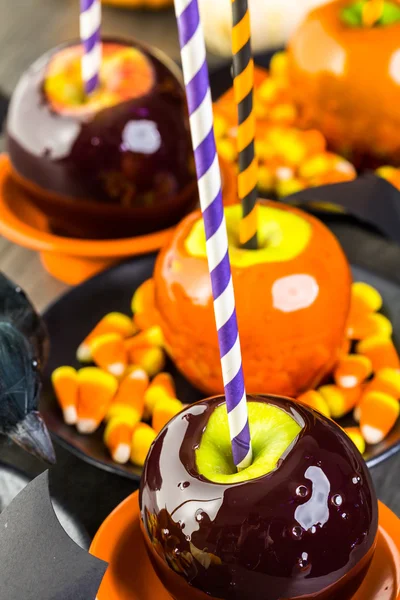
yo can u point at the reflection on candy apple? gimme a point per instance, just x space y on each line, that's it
292 301
116 164
355 107
300 522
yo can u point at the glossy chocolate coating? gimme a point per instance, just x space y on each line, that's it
122 171
305 530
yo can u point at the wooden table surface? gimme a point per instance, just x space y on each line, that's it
27 29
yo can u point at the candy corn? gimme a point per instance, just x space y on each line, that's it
380 351
142 438
340 400
128 402
227 149
118 438
352 370
109 353
150 337
365 298
96 391
378 413
279 66
144 312
150 358
363 326
163 412
220 126
386 381
65 383
356 437
114 322
118 390
161 387
315 400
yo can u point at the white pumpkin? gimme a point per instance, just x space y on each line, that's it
272 22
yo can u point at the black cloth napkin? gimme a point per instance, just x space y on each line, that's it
370 199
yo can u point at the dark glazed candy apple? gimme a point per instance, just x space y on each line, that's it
299 523
113 165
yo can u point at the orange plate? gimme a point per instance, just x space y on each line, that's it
130 575
69 259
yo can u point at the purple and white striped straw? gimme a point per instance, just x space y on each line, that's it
195 72
90 23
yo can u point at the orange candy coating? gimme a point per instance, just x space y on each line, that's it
283 352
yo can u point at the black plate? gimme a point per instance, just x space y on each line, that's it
12 482
73 316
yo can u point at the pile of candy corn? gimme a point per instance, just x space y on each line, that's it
124 386
290 159
366 379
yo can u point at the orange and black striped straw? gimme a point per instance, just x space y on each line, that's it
243 71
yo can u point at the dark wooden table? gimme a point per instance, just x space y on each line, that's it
27 29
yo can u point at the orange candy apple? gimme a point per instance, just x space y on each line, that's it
345 76
292 301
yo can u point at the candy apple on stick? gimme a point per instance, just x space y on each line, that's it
356 107
291 278
258 498
292 301
299 523
104 165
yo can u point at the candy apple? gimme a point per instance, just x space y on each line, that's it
299 523
106 166
292 301
344 75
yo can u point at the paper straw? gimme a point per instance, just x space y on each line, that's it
90 23
243 83
195 72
